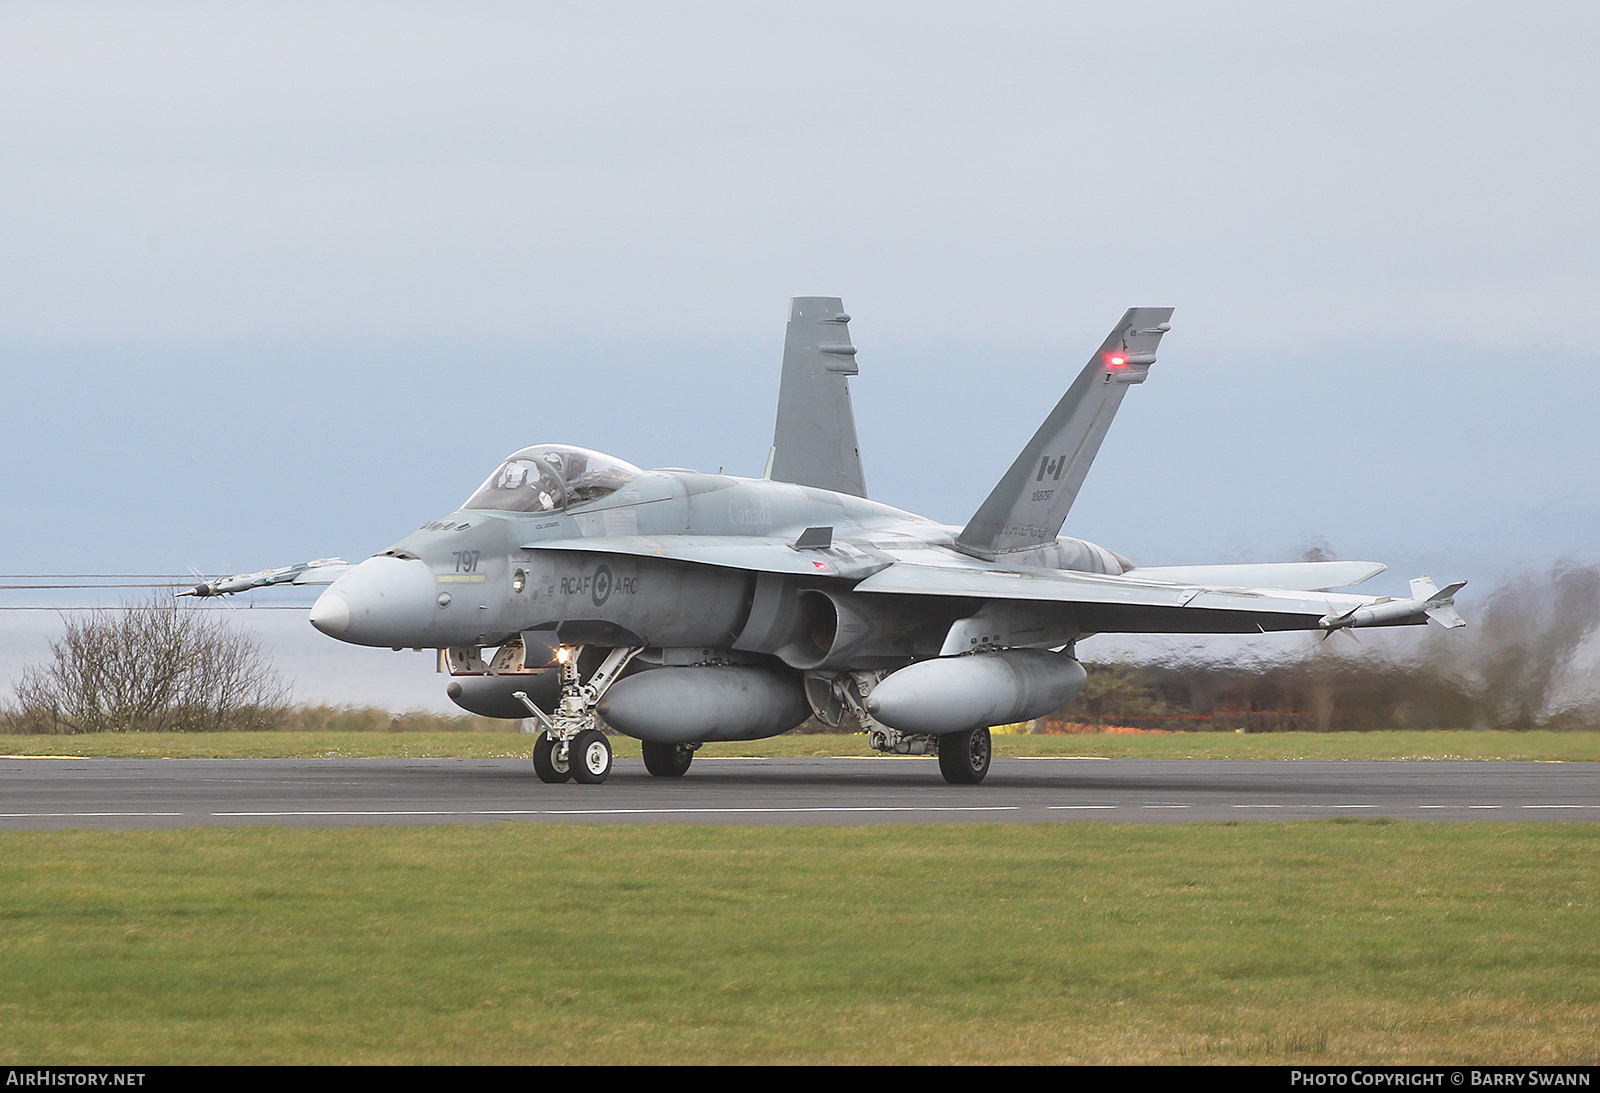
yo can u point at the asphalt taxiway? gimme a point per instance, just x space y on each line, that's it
166 793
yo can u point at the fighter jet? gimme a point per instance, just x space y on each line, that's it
574 588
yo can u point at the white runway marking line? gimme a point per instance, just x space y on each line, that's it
818 808
347 812
76 815
641 811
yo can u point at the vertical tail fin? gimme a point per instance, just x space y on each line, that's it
1029 505
814 440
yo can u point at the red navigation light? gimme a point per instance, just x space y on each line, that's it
1116 360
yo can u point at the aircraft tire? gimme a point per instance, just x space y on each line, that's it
964 756
545 764
667 760
590 757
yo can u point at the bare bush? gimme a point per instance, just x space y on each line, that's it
150 667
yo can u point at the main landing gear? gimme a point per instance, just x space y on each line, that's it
572 747
668 760
964 756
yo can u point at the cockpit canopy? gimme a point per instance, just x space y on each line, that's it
550 477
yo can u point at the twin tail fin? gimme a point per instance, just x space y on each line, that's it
814 440
1028 506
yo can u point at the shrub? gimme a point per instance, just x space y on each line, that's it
150 667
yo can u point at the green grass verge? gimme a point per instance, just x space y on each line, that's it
1336 941
1548 746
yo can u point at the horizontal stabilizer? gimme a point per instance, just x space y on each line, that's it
1303 576
322 571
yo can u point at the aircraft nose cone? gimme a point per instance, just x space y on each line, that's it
383 601
331 614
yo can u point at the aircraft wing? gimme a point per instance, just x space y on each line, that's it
760 553
1170 599
1129 604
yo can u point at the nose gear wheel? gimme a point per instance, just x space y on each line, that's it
550 760
589 756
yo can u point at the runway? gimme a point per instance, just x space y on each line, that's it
166 793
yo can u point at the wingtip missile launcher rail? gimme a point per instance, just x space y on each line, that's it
1426 604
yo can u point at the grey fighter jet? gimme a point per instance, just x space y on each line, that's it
682 607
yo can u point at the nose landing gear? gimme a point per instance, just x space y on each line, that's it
572 745
590 757
550 760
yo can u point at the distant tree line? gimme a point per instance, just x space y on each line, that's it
1525 661
1310 695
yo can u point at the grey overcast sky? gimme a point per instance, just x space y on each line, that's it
286 280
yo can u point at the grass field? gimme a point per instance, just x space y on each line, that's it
1549 746
1337 941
